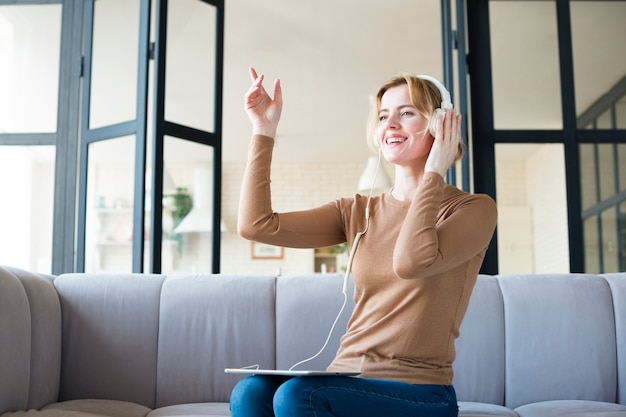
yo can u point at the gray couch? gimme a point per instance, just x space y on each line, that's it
154 345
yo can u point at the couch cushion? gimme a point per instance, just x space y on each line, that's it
617 282
108 408
479 364
50 413
208 323
110 332
45 353
472 409
86 408
306 307
571 408
196 409
560 338
15 343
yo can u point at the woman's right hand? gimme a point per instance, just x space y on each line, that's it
446 144
263 111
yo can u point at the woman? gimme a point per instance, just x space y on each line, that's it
418 257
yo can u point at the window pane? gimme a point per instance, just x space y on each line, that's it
27 207
606 156
591 239
532 209
187 207
598 30
604 120
114 65
621 165
30 39
190 73
620 113
588 176
525 65
610 246
109 220
622 211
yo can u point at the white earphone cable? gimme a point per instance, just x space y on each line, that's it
346 277
343 306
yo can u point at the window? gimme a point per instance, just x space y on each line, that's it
30 39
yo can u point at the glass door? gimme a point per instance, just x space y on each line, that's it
150 154
89 78
548 131
185 151
113 136
601 117
530 177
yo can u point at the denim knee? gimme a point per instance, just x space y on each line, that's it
289 396
252 396
296 397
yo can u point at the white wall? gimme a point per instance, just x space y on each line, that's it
294 187
532 210
547 198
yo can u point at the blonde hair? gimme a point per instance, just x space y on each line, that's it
424 95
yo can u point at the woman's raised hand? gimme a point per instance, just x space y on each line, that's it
446 145
263 110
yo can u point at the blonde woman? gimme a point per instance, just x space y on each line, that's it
420 248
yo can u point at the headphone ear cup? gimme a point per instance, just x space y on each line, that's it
432 123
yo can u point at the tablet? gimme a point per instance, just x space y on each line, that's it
252 371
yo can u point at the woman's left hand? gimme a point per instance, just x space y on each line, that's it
446 144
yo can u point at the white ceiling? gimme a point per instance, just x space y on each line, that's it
331 56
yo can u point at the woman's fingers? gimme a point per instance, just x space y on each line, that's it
278 91
449 125
256 93
253 74
445 147
257 82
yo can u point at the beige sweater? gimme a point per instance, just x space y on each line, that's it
414 269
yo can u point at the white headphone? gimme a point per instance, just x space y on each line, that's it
446 103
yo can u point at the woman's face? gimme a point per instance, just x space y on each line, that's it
402 131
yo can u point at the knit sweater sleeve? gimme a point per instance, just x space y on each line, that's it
437 236
317 227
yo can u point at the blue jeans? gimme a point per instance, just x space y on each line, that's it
337 396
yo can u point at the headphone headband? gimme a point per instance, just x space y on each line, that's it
446 102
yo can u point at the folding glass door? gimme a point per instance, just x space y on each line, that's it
150 142
113 136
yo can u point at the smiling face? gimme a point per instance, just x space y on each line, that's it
401 129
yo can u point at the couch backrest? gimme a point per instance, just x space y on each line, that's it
110 334
479 365
523 339
617 283
30 340
209 323
158 340
306 307
559 338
